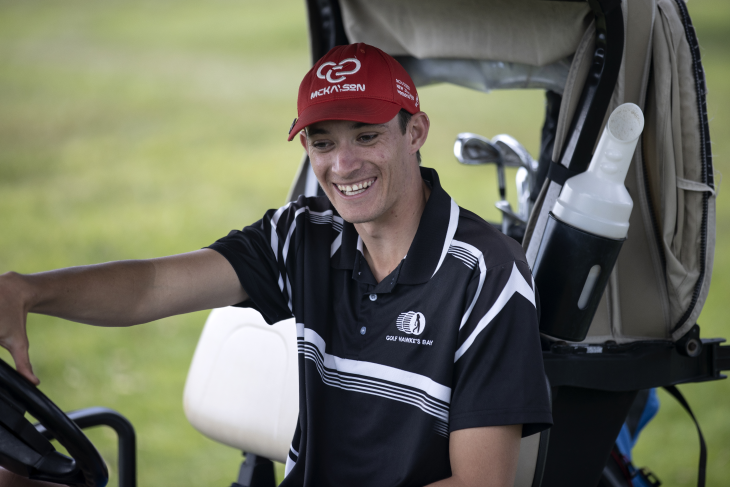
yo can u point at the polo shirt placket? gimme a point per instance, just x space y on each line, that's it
387 370
370 312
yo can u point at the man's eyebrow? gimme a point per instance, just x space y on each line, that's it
359 125
316 131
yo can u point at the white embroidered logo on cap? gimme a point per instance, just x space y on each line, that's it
337 70
404 90
411 322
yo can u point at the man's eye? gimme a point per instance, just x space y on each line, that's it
367 137
319 145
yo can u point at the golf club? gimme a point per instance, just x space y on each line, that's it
472 149
475 150
514 154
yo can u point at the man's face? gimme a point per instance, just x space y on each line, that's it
366 170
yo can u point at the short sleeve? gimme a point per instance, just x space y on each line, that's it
499 377
260 254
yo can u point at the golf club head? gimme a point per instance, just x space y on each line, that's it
514 154
475 150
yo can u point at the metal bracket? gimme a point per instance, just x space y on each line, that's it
255 471
635 366
127 439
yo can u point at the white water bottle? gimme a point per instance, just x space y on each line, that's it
597 201
585 231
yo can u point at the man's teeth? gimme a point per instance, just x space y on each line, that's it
354 189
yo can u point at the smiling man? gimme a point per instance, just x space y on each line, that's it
419 354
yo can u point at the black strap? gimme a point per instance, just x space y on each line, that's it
703 447
559 173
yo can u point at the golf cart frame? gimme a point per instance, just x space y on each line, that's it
593 385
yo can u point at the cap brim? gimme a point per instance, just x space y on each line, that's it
366 110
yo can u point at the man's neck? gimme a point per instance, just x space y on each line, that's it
387 240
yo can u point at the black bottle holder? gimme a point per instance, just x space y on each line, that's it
571 272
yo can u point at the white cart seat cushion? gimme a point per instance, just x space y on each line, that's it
242 388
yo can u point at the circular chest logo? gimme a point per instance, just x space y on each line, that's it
411 322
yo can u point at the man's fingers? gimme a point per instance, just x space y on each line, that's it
13 334
22 363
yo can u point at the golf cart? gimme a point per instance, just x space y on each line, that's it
643 333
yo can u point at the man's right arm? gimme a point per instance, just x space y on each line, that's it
120 293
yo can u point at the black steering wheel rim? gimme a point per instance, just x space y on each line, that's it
86 468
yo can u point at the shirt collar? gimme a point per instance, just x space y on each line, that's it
433 237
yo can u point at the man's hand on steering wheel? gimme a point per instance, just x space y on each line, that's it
13 315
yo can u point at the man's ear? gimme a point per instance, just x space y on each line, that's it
303 141
418 131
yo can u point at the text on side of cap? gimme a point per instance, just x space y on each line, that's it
404 90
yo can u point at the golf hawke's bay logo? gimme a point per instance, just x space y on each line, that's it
410 323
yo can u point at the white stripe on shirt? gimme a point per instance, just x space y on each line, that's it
516 284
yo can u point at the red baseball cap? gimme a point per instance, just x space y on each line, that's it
355 82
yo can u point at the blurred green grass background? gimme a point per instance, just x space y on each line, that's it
139 129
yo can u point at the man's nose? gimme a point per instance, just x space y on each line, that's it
346 161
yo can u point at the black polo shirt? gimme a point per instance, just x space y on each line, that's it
449 340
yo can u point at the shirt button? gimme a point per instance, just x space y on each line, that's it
363 330
373 297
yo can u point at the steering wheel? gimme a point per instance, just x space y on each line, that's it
28 453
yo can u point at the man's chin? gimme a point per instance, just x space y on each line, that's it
356 218
352 215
